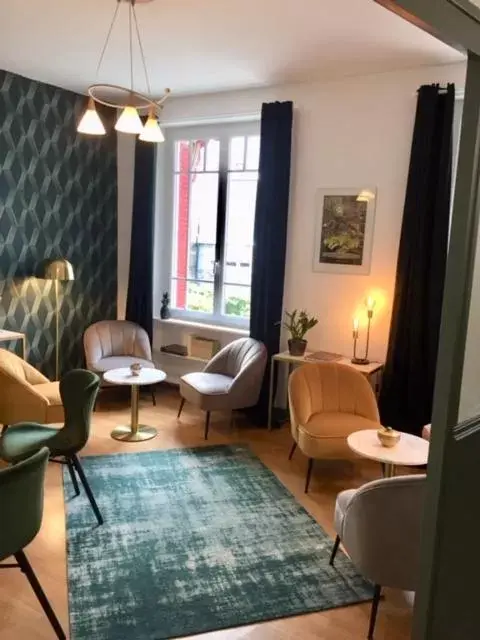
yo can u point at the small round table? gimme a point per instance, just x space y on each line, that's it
134 432
410 451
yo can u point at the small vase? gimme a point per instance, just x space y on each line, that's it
388 437
164 312
297 347
135 368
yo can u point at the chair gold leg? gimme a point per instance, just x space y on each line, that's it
309 473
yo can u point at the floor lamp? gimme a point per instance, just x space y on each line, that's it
59 271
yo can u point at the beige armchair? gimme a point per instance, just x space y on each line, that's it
328 402
25 394
112 344
231 380
380 527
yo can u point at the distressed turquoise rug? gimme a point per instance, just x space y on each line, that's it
194 540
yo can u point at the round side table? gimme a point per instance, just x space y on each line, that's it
410 451
134 432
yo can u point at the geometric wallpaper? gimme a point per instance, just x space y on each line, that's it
58 198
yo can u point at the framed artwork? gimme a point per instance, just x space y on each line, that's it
344 230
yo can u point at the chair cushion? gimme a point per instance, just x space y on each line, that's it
208 391
208 383
325 434
50 391
117 362
23 439
343 500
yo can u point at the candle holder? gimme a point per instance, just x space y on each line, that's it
356 359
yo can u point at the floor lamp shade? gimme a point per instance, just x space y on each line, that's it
59 270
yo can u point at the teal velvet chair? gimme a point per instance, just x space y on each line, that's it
21 510
78 390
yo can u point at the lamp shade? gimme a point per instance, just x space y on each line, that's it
129 121
91 123
60 269
151 131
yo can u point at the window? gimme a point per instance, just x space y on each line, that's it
213 177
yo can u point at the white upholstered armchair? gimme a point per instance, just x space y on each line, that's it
231 380
112 344
380 527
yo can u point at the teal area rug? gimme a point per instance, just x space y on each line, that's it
194 540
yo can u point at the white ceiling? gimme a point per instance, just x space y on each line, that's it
210 45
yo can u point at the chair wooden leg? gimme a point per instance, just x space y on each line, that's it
24 565
309 473
154 400
86 486
180 408
336 544
292 450
73 477
377 592
207 424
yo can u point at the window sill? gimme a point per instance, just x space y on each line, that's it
190 324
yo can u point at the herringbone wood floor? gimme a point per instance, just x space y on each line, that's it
21 618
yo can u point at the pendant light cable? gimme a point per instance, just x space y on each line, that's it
102 55
142 52
130 30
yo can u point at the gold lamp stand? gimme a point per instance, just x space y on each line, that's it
59 270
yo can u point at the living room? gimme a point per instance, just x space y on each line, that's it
151 291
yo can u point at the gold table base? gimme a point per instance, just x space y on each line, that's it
134 432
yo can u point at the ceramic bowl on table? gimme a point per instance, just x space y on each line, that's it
388 437
135 368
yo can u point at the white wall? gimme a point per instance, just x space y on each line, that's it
349 133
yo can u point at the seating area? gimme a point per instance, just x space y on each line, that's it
238 311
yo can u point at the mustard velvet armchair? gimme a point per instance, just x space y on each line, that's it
328 402
26 394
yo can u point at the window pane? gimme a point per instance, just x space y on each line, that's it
236 153
194 238
182 155
213 155
236 301
253 152
241 197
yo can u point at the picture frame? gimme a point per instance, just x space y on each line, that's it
345 222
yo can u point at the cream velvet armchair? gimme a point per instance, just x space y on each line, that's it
112 344
328 402
231 380
25 394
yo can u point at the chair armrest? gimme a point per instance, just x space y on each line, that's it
381 530
15 391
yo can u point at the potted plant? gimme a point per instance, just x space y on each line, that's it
298 323
164 310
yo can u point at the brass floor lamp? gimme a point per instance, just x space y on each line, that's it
59 270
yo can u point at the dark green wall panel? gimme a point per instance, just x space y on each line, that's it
58 198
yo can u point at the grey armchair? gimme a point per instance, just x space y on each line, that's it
231 380
379 526
111 344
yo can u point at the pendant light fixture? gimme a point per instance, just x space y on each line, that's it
133 102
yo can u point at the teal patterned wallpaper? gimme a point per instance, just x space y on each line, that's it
58 198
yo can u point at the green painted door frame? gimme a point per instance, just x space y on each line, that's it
447 605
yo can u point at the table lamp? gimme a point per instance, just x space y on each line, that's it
59 270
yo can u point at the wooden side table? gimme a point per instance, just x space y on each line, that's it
8 336
371 371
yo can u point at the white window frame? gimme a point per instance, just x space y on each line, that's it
165 215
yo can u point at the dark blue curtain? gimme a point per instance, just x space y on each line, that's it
270 234
407 390
140 280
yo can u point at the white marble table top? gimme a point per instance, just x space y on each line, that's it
124 376
410 450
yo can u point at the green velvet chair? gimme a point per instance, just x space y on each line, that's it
78 390
21 510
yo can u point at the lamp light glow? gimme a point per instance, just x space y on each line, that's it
151 131
129 121
91 123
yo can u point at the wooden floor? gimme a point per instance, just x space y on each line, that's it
21 617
